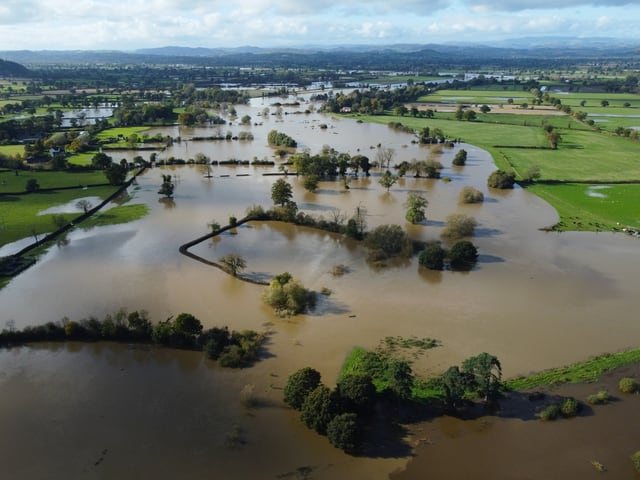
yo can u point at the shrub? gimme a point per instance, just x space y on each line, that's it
311 182
288 296
635 459
432 257
299 385
343 431
501 179
232 356
458 225
628 385
470 195
463 255
550 413
570 407
388 241
461 158
600 398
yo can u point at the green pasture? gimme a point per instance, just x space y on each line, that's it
81 159
391 79
10 182
587 371
477 96
592 207
12 150
583 156
126 132
19 213
116 215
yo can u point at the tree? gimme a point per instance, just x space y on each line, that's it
501 179
311 182
461 158
32 185
233 263
384 156
470 115
344 431
116 174
281 192
387 180
187 324
288 296
485 108
604 103
387 241
463 255
401 378
319 408
245 120
433 257
485 372
101 160
454 383
84 205
415 205
167 186
357 392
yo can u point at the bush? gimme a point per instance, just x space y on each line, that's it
458 225
635 459
343 431
463 255
470 195
550 413
628 385
570 407
601 398
288 296
461 158
388 241
501 179
299 385
432 257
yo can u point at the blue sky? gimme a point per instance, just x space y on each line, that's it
105 25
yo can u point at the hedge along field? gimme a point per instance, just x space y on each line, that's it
19 213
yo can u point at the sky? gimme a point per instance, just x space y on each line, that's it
115 25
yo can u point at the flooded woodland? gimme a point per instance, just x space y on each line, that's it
535 300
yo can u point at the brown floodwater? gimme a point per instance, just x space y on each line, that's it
535 300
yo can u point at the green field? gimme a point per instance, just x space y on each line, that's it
593 207
12 183
19 213
12 150
116 215
583 156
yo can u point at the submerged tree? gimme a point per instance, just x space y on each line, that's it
233 263
387 180
167 186
299 385
281 192
485 374
415 205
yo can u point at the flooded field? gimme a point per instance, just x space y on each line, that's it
535 300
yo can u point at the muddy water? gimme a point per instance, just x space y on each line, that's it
516 444
535 300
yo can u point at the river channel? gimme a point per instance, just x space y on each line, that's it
535 300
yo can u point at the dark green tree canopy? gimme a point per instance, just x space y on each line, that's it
299 385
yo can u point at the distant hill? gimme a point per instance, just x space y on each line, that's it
13 69
542 51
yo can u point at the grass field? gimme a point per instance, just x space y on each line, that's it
116 215
587 371
12 150
12 183
583 156
19 214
